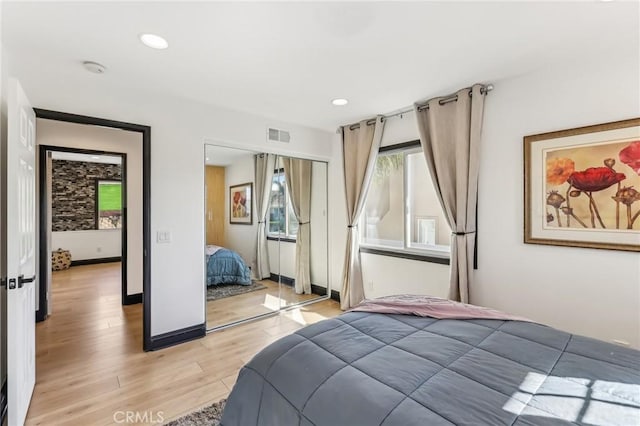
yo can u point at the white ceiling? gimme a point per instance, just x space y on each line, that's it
286 60
86 158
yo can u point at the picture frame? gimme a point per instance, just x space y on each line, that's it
240 204
582 187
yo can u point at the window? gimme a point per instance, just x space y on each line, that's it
282 219
108 204
402 211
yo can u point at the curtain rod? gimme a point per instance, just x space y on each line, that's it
445 100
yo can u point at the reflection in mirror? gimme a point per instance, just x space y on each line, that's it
298 223
266 233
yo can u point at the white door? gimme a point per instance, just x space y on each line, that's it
21 250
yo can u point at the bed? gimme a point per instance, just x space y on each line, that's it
373 368
225 266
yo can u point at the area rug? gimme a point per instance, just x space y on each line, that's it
208 416
226 290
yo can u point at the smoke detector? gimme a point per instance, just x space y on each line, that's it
94 67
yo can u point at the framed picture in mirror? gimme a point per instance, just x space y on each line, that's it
240 204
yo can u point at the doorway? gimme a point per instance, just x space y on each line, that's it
135 253
84 195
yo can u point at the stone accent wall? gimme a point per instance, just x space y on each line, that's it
74 193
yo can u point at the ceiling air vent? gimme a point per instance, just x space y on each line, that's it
276 135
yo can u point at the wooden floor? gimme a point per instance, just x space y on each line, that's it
90 367
247 305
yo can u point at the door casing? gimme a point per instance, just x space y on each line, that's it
146 211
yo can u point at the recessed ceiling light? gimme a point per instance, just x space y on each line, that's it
95 157
154 41
339 102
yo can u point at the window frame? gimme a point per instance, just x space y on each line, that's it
286 236
98 181
433 254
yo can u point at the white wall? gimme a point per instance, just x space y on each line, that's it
319 223
93 244
385 276
591 292
179 131
282 258
241 238
71 135
400 129
544 288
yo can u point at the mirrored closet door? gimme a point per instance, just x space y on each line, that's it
266 233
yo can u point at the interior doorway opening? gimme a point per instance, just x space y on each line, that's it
129 219
85 217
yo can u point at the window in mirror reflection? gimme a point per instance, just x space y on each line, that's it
282 219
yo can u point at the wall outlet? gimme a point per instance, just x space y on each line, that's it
163 237
99 249
370 285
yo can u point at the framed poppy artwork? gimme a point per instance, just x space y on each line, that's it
582 187
240 212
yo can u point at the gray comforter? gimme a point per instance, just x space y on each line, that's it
376 369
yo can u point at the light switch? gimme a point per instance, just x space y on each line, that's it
163 237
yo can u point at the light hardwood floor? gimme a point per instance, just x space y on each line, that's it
90 365
247 305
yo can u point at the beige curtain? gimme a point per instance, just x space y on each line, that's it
265 164
360 144
297 173
450 131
